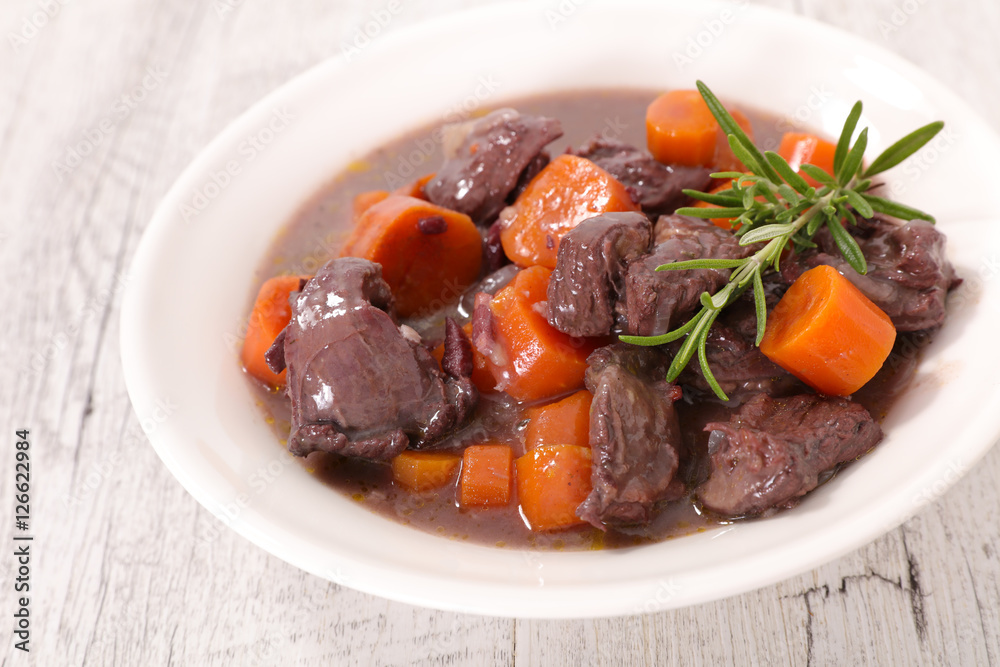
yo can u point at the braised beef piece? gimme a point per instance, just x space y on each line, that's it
656 187
534 168
484 159
494 257
359 384
457 360
773 451
587 281
634 436
658 301
738 365
909 274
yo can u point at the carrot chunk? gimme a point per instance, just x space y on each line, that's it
825 332
481 375
414 188
680 129
565 422
800 148
364 201
487 476
270 314
552 481
538 361
422 471
568 191
429 254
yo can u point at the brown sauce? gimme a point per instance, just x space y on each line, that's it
314 236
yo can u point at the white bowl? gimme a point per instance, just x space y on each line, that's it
184 306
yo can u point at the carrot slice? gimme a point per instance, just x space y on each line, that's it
828 334
422 471
568 191
270 314
414 188
429 254
680 129
565 422
800 148
364 201
487 476
552 481
539 361
481 375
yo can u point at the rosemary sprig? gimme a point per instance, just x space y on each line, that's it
774 205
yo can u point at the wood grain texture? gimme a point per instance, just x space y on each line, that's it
130 570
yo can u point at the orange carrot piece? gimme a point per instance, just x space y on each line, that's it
825 332
540 361
565 422
429 254
270 314
422 471
568 191
364 201
680 129
487 476
800 148
552 481
481 375
415 188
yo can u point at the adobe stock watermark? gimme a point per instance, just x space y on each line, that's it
137 433
224 8
362 35
562 12
73 156
899 17
712 30
914 167
207 531
94 306
425 147
35 22
661 598
247 151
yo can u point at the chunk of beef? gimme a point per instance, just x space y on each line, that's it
634 436
360 385
486 161
773 451
909 274
738 365
656 187
657 301
539 162
587 281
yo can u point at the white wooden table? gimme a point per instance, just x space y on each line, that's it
117 573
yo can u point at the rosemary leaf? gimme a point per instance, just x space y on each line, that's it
859 203
731 127
853 160
785 170
818 175
693 212
897 210
903 148
760 306
701 264
844 143
848 246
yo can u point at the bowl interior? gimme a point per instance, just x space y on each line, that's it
184 309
